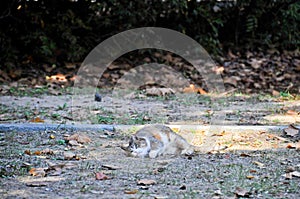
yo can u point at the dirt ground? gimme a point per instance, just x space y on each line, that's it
39 165
141 109
255 164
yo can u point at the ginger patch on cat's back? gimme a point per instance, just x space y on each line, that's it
157 136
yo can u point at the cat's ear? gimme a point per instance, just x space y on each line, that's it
132 143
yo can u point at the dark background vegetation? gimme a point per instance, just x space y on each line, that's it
65 30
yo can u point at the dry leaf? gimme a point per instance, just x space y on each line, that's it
38 172
291 130
71 65
57 79
245 155
219 69
146 182
110 167
201 91
182 187
219 134
68 155
161 197
193 89
258 163
287 176
292 112
290 146
133 191
275 93
249 177
55 166
80 138
36 184
27 152
159 91
231 80
240 192
190 89
37 120
37 153
73 143
83 139
101 176
295 174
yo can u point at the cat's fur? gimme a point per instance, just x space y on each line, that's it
157 140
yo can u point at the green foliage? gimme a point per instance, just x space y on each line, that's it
290 26
66 30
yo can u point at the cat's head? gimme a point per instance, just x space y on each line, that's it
137 147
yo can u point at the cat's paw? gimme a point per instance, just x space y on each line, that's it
153 154
140 152
189 151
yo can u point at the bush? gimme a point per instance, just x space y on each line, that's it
65 30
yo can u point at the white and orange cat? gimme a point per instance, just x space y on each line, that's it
157 140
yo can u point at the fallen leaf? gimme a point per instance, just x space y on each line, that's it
83 139
291 130
201 91
275 93
80 138
158 170
36 184
110 167
289 169
231 80
133 191
290 146
292 112
190 89
240 192
193 89
68 155
219 69
219 134
37 172
59 166
287 176
37 120
183 187
77 157
258 163
37 153
101 176
73 143
57 79
27 152
295 174
159 91
249 177
146 182
161 197
245 155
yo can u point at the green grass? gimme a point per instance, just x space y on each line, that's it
25 91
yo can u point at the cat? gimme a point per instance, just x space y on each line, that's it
157 140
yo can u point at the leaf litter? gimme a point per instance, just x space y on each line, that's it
107 172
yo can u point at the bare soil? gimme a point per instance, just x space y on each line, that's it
257 164
141 109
